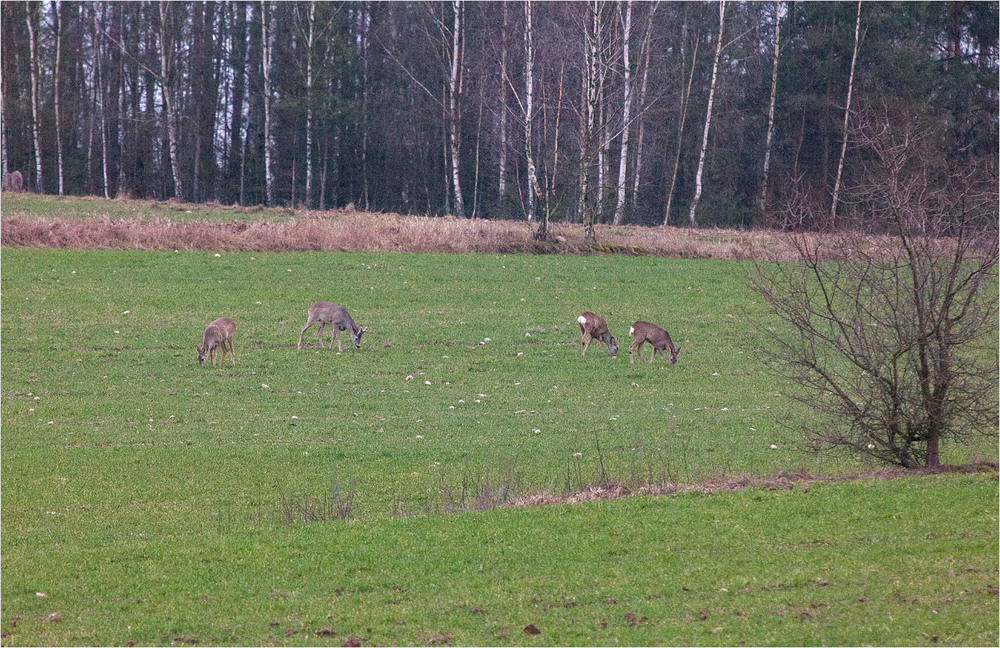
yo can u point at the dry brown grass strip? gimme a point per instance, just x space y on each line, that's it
783 481
340 231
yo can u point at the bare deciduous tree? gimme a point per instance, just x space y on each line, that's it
888 329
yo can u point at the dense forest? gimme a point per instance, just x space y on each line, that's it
700 113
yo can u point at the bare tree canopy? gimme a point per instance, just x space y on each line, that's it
888 329
330 104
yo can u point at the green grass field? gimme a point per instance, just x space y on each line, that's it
144 495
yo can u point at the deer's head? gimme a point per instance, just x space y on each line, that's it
674 353
613 347
201 354
356 336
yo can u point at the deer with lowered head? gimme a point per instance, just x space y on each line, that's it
594 327
336 316
216 335
643 332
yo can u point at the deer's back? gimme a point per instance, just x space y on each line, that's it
594 323
648 331
225 325
329 313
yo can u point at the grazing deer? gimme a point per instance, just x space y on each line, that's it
13 182
337 317
593 327
216 335
657 337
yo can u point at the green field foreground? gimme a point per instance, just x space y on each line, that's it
143 495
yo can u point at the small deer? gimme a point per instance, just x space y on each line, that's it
337 317
13 182
645 332
216 335
593 327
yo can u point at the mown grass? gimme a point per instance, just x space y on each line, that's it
132 474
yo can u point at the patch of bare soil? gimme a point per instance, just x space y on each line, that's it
783 481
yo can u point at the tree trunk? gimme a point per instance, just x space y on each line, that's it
3 137
641 103
56 11
365 20
454 107
770 112
265 41
310 42
708 116
847 115
502 188
100 103
592 30
626 114
166 50
529 64
35 126
685 97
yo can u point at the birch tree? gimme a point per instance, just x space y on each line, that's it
770 112
847 116
685 96
310 43
592 36
641 101
708 116
265 42
529 64
99 87
56 11
502 183
454 107
166 85
626 112
33 54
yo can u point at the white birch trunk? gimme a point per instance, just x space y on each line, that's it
266 64
592 30
847 115
502 188
454 107
641 103
770 112
55 94
626 115
310 41
365 26
3 138
529 64
33 49
168 103
100 105
708 117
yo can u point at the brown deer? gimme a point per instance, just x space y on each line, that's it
13 182
593 327
659 339
337 317
216 335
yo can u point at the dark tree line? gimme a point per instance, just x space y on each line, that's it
581 111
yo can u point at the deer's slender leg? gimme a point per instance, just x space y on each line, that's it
233 349
309 322
336 334
319 334
585 341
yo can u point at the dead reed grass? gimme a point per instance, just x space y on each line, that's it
782 481
342 231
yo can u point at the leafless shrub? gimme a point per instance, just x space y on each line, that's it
895 344
335 505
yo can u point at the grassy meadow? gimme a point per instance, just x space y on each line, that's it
148 499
